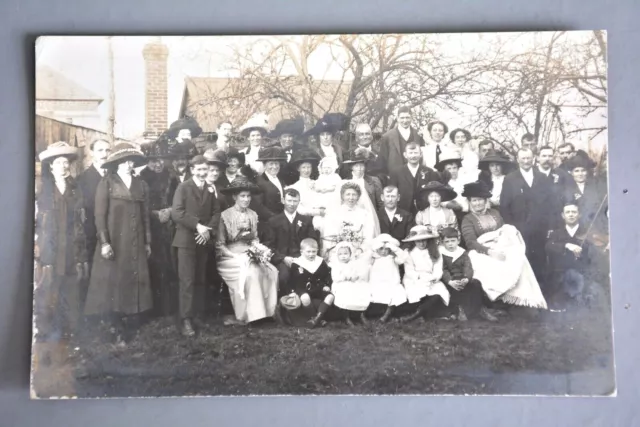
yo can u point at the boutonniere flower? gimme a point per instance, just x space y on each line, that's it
210 188
556 178
398 217
577 196
299 223
423 174
300 270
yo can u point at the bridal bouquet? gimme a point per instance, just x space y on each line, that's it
349 233
259 253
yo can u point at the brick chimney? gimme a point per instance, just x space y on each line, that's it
155 60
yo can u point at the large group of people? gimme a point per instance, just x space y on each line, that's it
414 226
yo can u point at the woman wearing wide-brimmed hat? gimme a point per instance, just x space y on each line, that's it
272 187
588 192
255 131
494 166
423 273
120 284
497 252
432 213
253 286
305 162
325 131
61 245
450 166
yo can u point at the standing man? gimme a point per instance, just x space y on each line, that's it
88 182
161 268
559 180
286 132
394 221
484 147
272 187
411 176
364 147
528 140
527 203
286 230
393 142
566 151
197 214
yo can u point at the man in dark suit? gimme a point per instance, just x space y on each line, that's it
527 203
365 148
88 182
411 176
568 253
394 221
393 142
559 178
286 230
271 185
286 132
196 212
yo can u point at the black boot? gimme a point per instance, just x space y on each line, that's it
386 315
317 319
411 317
363 319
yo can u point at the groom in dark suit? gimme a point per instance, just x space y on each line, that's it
286 230
394 221
527 203
393 142
411 176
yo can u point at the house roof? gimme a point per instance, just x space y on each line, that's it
212 99
52 85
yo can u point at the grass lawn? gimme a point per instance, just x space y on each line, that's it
555 353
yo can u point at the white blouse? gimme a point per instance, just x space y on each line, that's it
497 189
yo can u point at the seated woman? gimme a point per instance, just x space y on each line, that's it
494 166
435 216
370 187
310 281
497 252
253 285
350 221
423 274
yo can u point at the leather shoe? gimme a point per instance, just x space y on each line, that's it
187 328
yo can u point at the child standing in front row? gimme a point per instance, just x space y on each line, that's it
350 282
423 273
466 292
385 283
311 280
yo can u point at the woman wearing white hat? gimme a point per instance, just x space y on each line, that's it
61 245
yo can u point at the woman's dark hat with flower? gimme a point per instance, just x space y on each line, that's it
293 127
124 151
158 149
272 154
330 122
184 150
184 123
216 157
476 189
356 156
494 156
304 156
446 193
241 184
579 160
58 149
235 154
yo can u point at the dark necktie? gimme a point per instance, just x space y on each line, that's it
438 151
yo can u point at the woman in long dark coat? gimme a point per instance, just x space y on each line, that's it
120 286
61 244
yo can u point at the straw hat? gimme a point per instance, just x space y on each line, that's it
420 232
58 149
259 122
450 156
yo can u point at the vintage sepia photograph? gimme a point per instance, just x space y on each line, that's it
328 214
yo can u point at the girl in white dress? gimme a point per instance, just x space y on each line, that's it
385 283
350 286
327 189
423 273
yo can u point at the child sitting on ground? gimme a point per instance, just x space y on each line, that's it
350 282
327 188
466 292
423 273
311 280
386 287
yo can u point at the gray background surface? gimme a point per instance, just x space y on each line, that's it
24 20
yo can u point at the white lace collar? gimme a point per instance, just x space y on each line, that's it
453 254
310 266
